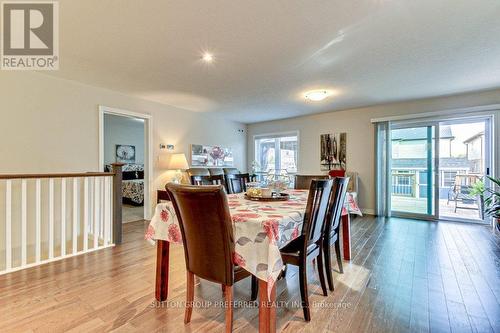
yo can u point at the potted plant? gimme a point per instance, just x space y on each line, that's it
492 201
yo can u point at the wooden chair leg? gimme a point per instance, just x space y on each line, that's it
328 264
303 291
229 308
189 297
321 272
255 288
339 256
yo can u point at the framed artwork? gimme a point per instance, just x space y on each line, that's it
211 156
125 154
333 151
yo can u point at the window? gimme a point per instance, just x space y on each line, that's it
277 152
449 178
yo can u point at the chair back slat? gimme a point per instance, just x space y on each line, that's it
237 183
335 204
206 228
316 210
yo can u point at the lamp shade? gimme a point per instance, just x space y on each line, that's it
177 162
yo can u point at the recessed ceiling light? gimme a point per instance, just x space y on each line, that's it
207 57
318 95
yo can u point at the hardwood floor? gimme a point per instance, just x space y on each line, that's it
132 213
405 276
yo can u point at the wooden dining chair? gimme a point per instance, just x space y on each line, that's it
310 242
303 182
237 183
332 226
208 240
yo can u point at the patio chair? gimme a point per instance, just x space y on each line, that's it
460 191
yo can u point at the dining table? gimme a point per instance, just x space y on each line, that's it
260 229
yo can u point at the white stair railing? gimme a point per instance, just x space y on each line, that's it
49 217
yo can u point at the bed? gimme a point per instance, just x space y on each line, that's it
133 184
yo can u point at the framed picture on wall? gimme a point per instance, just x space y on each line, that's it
125 154
211 156
333 151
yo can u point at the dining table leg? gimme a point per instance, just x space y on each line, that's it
162 263
267 308
346 236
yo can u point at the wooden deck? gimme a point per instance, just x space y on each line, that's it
405 275
446 209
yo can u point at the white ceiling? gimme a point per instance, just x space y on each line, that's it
267 52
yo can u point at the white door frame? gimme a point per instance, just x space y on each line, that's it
148 128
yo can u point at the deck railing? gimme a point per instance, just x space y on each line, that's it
403 184
49 217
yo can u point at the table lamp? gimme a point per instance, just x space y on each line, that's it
178 162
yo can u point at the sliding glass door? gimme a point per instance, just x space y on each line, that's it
435 167
413 168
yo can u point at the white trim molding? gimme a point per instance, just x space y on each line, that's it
451 112
148 126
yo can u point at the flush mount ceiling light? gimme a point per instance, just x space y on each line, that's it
318 95
207 57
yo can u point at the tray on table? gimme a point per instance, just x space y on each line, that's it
275 197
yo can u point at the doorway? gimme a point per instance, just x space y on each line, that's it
436 166
125 137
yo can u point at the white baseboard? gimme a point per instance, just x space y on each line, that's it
368 211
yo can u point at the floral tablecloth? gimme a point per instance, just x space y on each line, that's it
260 229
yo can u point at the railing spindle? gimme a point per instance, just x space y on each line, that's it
86 214
24 222
38 220
95 233
107 220
103 209
8 225
63 216
75 215
51 218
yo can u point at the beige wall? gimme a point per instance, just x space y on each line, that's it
360 134
119 130
52 125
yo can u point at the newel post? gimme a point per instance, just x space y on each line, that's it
117 202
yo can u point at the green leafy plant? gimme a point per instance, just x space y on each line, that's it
478 188
492 199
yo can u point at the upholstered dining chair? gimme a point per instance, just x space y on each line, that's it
303 182
332 226
310 242
208 241
237 183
